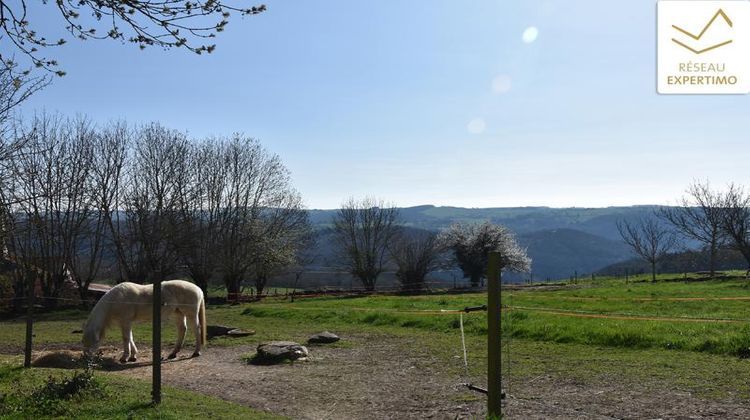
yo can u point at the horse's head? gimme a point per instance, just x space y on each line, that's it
90 340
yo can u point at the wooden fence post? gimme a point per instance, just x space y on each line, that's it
494 381
29 321
156 339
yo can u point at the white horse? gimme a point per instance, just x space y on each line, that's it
127 303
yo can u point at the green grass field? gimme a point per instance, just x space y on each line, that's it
113 397
706 316
691 335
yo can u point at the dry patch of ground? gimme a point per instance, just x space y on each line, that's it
388 377
367 377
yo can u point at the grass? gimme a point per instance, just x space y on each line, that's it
668 301
114 398
679 304
701 357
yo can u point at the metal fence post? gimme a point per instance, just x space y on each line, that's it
494 381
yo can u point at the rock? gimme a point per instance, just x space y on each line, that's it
221 330
279 351
240 333
217 330
324 338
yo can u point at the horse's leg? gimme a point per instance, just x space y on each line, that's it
181 328
126 332
133 349
196 327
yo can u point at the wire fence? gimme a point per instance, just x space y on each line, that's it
507 308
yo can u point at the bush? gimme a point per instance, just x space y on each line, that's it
50 399
67 388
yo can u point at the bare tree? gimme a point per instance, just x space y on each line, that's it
242 158
108 159
649 240
304 257
169 23
259 209
472 243
151 201
363 229
736 220
198 238
52 177
280 234
416 254
14 89
699 217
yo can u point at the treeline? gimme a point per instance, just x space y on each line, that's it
370 236
717 220
149 198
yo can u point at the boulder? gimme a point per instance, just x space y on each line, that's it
323 338
279 351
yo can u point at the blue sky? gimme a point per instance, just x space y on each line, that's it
429 102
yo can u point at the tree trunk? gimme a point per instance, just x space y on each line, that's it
653 272
202 282
475 279
83 292
712 259
260 283
232 283
368 281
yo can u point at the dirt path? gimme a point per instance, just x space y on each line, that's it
386 377
370 377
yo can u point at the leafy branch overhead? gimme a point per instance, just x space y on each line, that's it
186 24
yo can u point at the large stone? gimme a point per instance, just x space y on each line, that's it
279 351
324 338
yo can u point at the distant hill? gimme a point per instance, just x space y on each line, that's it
596 221
561 241
560 253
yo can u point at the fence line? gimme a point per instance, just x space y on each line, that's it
643 299
378 310
430 312
635 317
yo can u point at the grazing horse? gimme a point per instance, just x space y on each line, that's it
127 303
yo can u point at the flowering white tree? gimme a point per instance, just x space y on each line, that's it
472 243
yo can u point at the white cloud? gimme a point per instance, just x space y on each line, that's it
501 83
476 126
530 34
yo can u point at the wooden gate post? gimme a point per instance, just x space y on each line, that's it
29 320
156 340
494 381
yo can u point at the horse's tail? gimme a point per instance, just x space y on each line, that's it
202 315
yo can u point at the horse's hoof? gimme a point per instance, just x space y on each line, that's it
123 360
172 356
196 354
132 359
